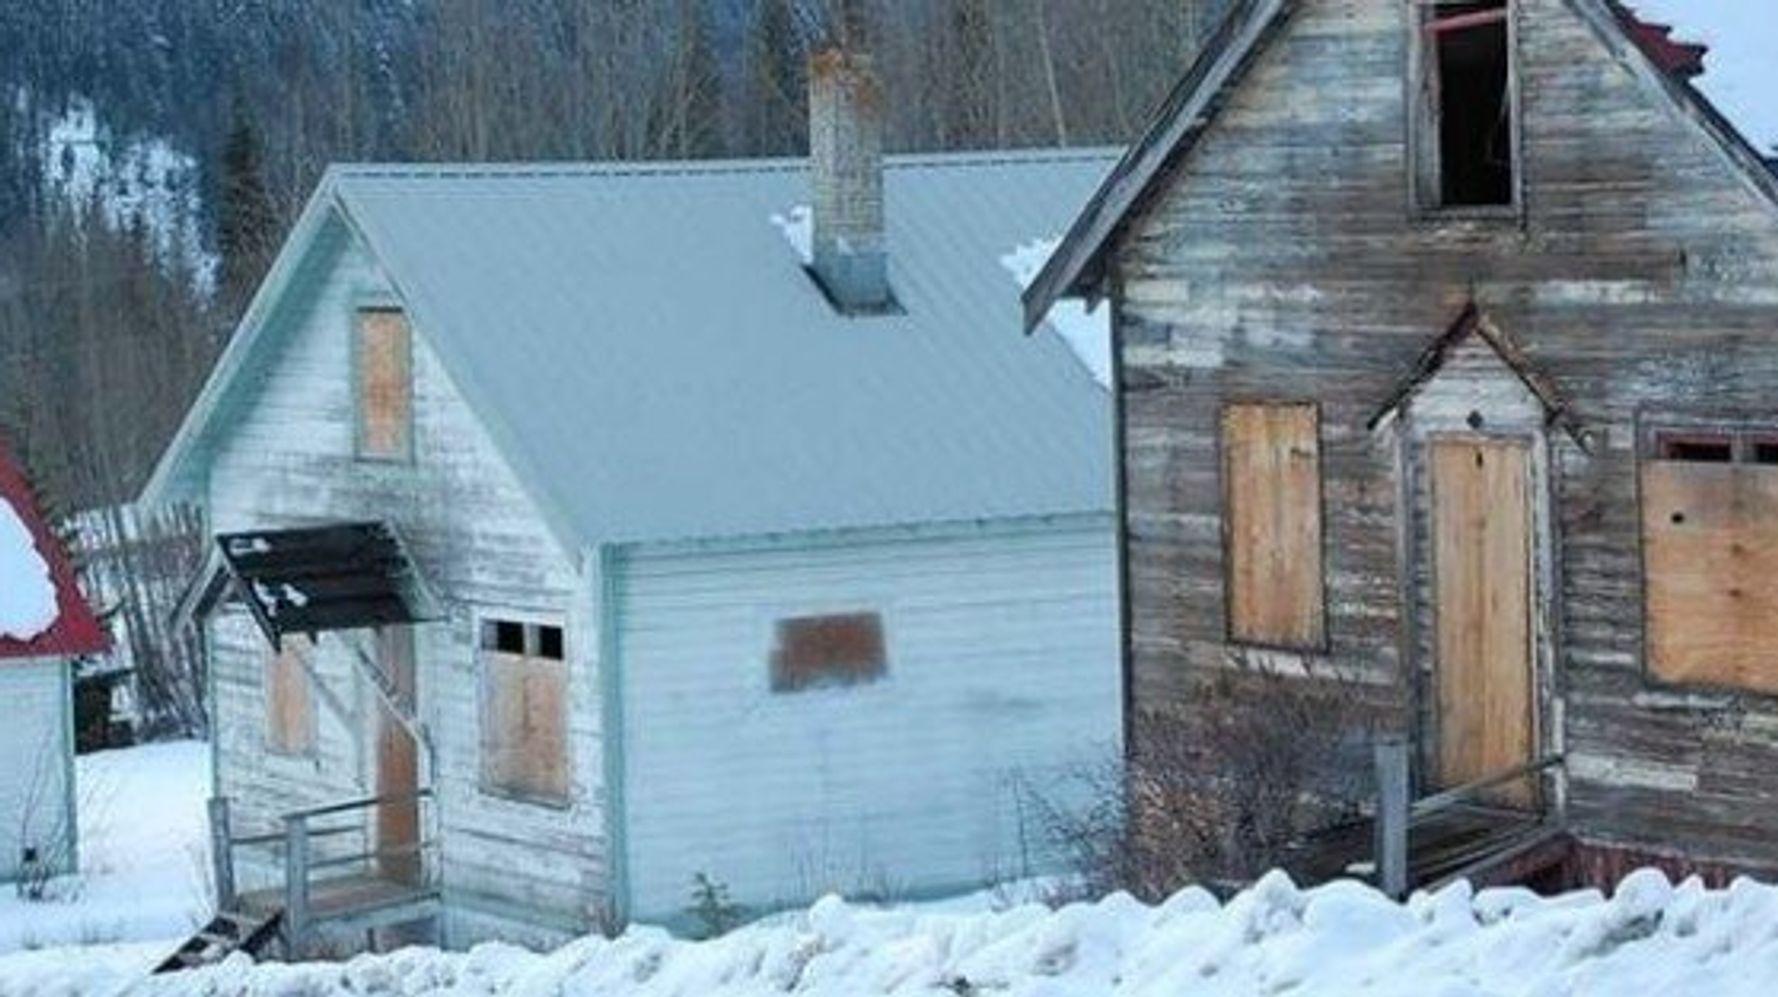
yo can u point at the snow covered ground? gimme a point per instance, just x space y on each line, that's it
1343 939
143 858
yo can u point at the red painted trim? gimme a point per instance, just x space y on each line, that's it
77 631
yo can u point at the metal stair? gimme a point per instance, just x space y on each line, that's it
227 933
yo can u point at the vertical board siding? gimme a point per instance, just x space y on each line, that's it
1282 258
1272 476
34 790
288 460
1001 672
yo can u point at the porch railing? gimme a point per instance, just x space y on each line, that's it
1398 812
301 831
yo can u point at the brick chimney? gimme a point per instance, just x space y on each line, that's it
846 145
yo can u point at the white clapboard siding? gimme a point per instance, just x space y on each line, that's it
35 795
1002 665
288 460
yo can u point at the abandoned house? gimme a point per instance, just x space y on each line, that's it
45 625
584 530
1446 338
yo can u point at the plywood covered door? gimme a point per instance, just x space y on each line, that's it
398 764
1483 585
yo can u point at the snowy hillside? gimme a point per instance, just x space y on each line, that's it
129 179
1342 939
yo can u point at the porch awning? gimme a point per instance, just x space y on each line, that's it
344 576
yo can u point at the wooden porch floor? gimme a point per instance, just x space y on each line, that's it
345 898
1473 841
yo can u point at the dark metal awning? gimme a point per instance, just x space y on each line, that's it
344 576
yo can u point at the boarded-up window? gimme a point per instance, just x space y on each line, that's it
1710 552
385 385
813 651
289 700
1272 521
524 711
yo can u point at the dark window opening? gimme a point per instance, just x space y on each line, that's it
549 643
504 636
815 651
1469 43
1763 451
1697 449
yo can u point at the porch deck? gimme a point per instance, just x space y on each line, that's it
361 899
1481 843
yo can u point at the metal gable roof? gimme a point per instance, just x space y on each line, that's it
648 352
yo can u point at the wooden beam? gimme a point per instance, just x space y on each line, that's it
1464 22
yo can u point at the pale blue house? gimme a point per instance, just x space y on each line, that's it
611 528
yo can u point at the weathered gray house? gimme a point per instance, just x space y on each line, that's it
605 541
1447 349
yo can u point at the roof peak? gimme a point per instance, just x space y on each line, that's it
568 169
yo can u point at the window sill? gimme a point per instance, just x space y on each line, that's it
562 804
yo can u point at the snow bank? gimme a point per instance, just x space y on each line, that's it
27 595
1087 331
1342 939
798 226
144 857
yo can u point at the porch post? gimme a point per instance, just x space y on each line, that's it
222 859
296 885
1392 815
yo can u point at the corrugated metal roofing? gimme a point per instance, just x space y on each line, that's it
646 345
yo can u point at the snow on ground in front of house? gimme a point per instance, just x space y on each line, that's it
27 596
1087 331
143 858
1342 939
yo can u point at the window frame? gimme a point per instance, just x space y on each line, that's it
1425 167
1322 642
1653 432
531 620
360 451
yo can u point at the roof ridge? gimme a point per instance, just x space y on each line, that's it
547 169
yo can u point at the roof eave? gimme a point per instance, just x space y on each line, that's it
1077 265
172 478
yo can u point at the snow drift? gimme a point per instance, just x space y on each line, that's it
1651 938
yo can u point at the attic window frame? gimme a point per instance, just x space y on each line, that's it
1743 440
1424 146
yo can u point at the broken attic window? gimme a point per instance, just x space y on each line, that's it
1468 56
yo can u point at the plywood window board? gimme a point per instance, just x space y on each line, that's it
384 368
1273 524
831 650
289 700
1710 551
525 711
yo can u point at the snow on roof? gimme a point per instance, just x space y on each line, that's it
27 596
1086 330
42 613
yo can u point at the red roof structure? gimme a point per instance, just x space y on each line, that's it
1684 60
77 630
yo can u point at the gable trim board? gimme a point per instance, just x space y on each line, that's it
1473 322
1077 265
428 227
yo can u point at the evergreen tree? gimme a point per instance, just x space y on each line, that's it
246 226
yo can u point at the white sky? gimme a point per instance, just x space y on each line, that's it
1741 71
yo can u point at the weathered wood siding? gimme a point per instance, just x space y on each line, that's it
36 797
1002 666
288 460
1282 261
